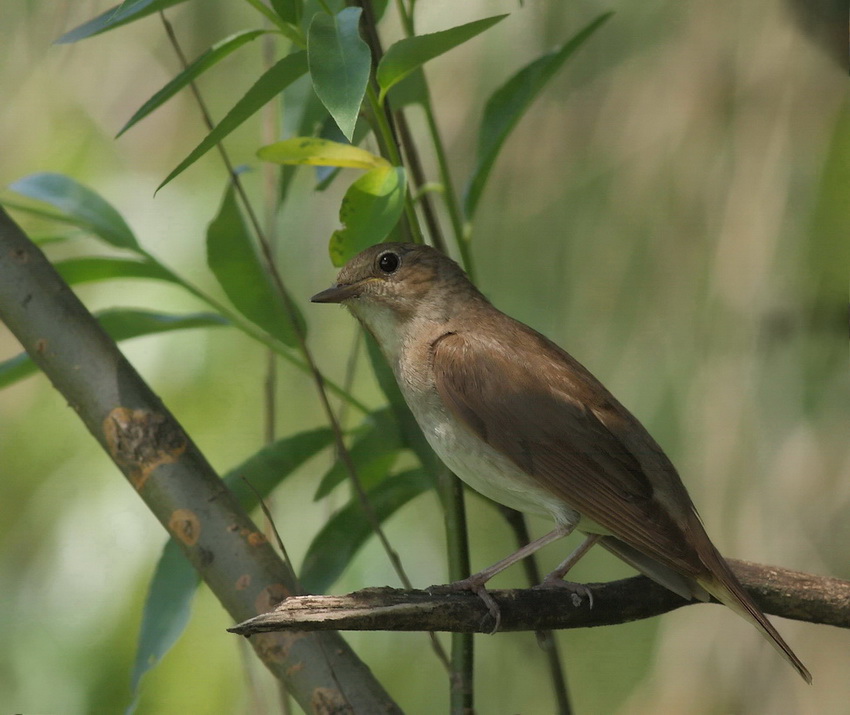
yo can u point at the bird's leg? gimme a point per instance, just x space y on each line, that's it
555 579
476 582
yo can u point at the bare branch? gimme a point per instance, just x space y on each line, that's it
781 592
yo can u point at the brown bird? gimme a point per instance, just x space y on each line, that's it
521 421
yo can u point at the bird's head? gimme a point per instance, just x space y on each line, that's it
398 281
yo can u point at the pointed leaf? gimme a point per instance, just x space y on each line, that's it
128 11
304 114
411 53
167 609
97 268
411 90
347 530
374 451
508 104
289 10
272 464
16 368
233 260
214 54
271 83
48 214
79 205
126 323
175 581
121 324
370 210
320 152
340 63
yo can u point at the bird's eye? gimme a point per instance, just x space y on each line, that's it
389 262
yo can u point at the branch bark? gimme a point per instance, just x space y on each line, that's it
781 592
172 476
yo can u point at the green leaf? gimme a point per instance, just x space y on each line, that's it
340 63
289 10
96 268
271 83
347 530
175 581
126 12
126 323
167 610
213 55
320 152
411 53
78 205
16 368
121 324
304 114
271 465
370 209
374 451
411 90
508 104
233 260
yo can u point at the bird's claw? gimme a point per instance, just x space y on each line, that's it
477 587
577 590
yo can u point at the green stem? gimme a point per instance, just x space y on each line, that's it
461 693
394 156
546 639
449 193
450 488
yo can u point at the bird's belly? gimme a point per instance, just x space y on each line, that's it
486 470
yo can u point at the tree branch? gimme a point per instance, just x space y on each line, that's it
172 476
781 592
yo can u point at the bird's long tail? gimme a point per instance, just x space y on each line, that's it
719 582
727 589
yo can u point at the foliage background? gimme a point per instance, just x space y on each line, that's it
673 211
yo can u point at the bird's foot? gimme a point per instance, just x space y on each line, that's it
577 590
476 585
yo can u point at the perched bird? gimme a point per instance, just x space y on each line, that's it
521 421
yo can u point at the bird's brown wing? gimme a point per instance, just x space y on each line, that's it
554 420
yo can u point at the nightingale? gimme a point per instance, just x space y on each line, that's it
522 422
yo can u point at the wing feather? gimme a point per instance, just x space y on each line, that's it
554 420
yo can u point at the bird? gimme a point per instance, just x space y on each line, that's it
521 421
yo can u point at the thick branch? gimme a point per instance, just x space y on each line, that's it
780 592
172 476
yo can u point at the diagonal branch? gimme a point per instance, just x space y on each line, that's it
171 475
781 592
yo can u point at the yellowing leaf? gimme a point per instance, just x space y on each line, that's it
320 152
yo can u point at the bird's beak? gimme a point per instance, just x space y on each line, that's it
338 293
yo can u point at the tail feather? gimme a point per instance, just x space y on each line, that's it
727 589
719 581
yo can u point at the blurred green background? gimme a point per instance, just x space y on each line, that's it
673 211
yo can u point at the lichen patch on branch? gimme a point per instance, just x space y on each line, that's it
185 526
140 441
